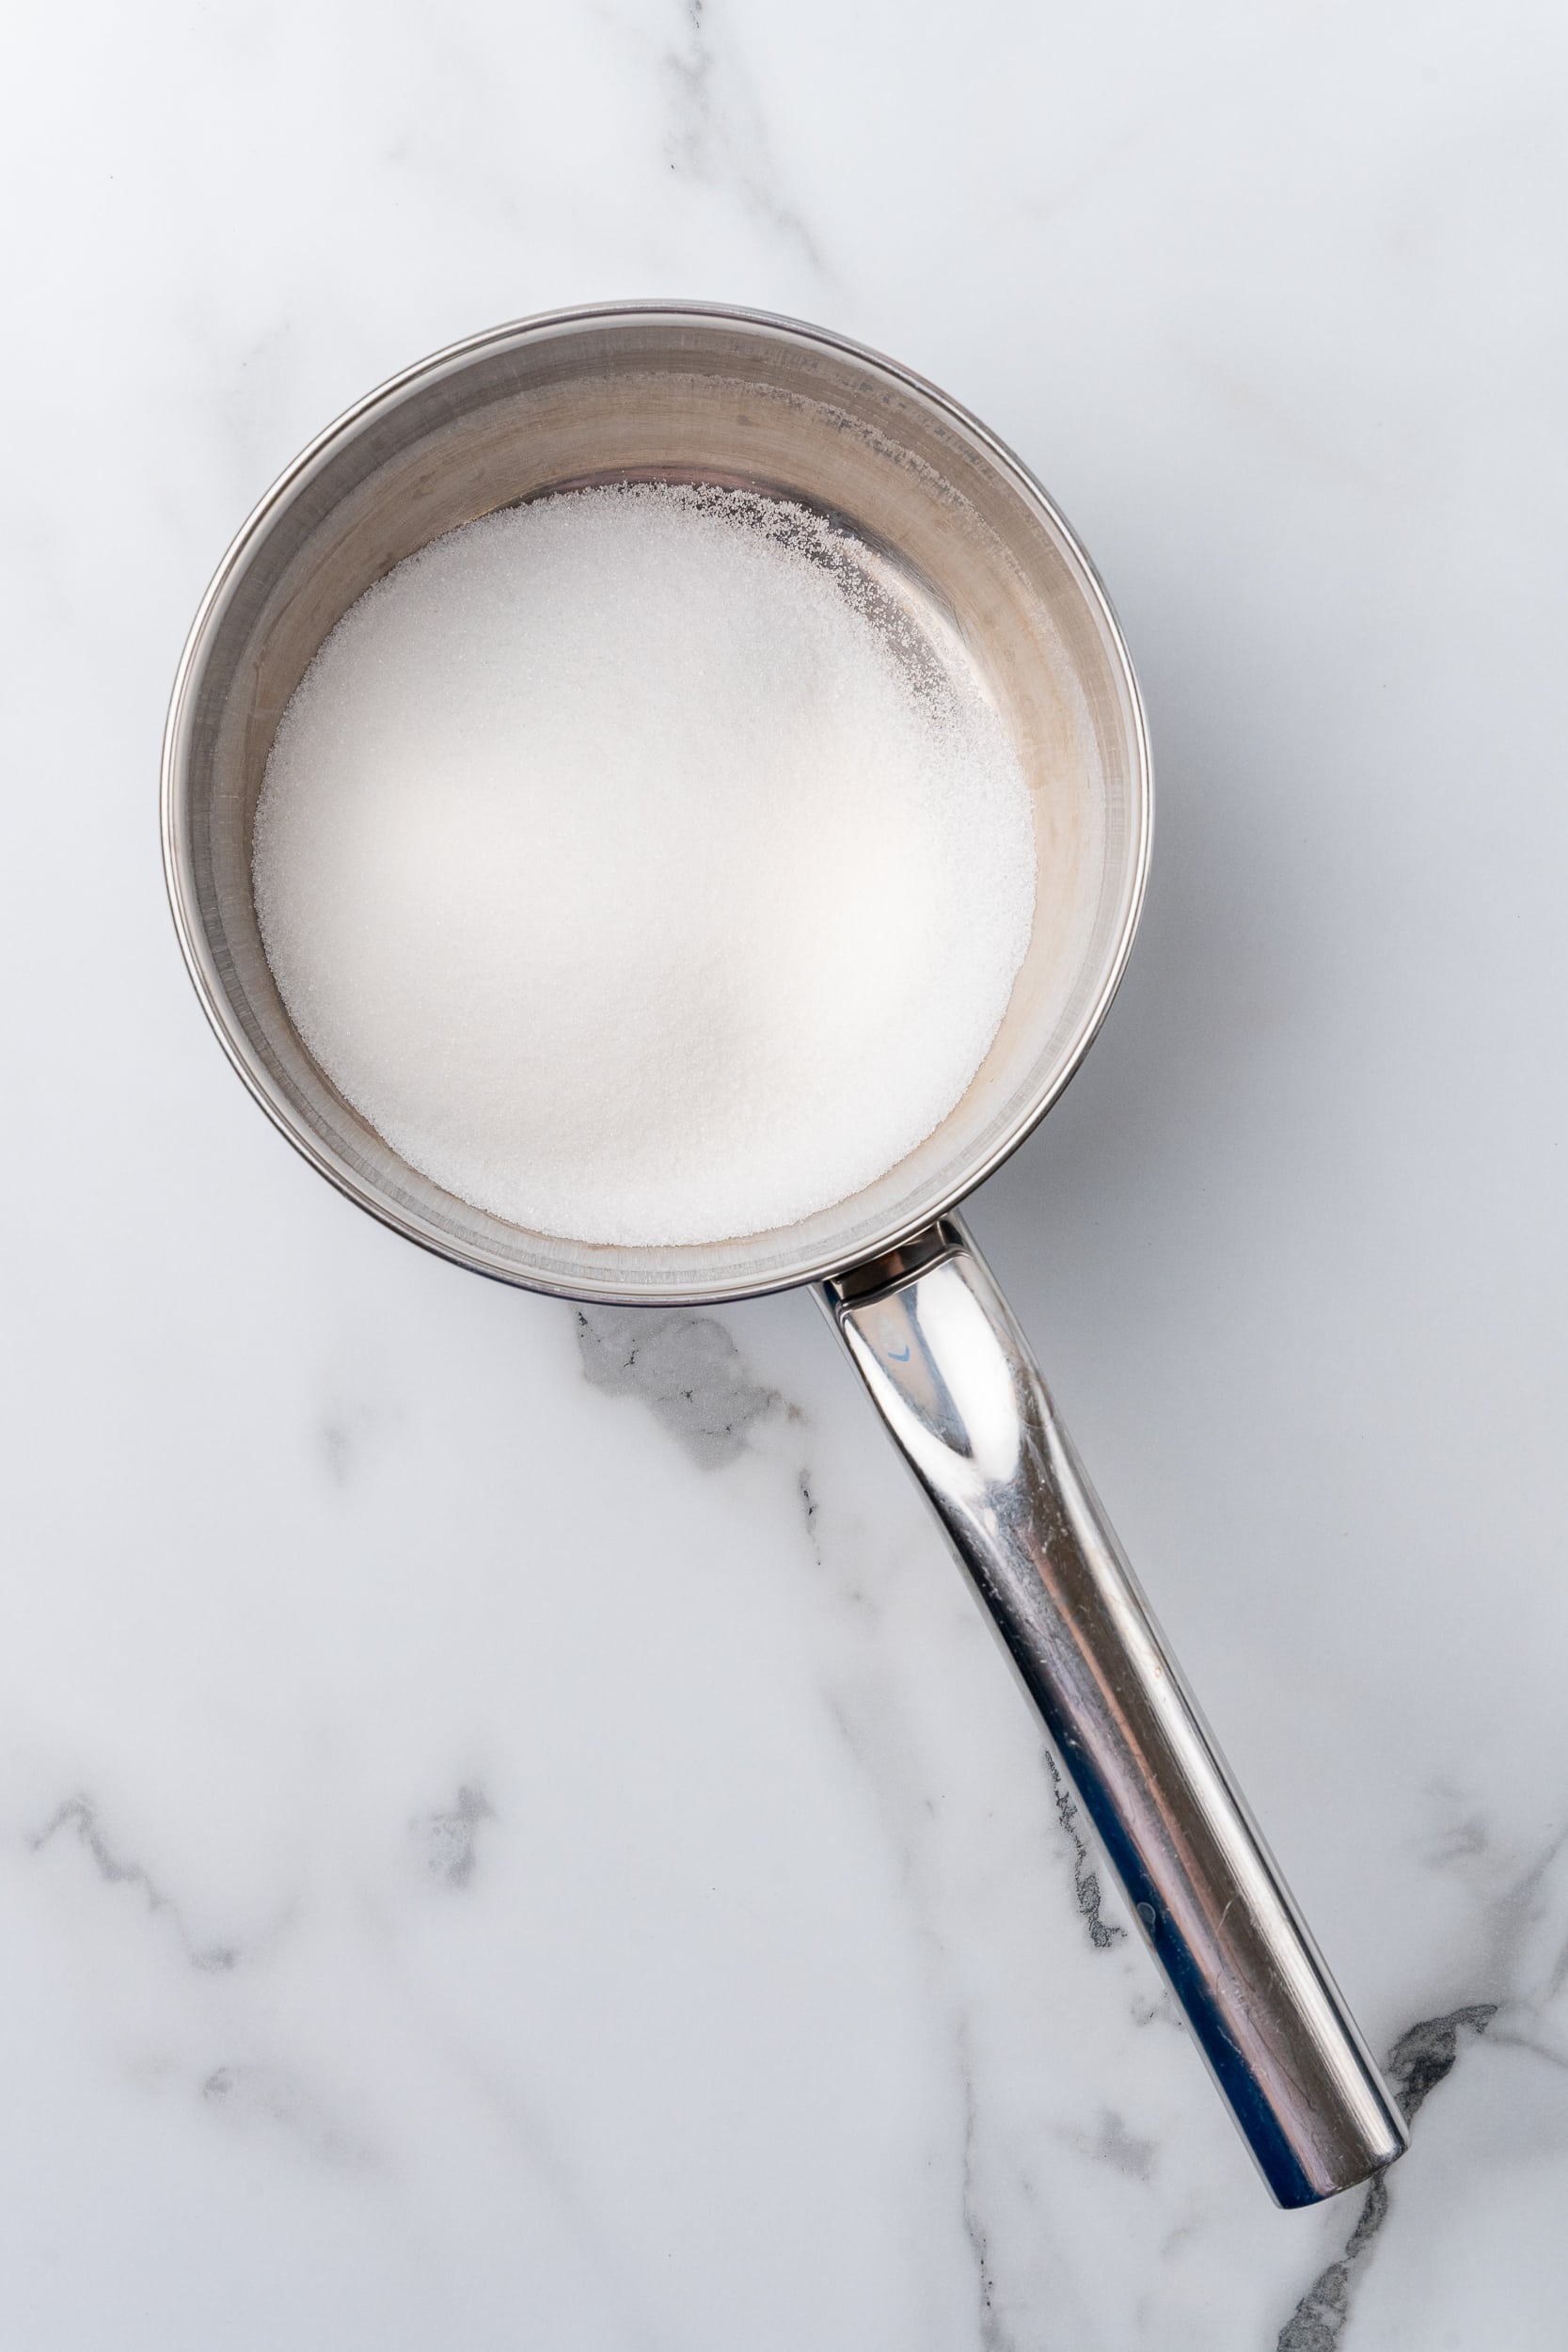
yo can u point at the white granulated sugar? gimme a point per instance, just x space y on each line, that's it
634 875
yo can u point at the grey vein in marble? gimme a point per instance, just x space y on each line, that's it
1421 2058
1103 1932
449 1840
1111 2143
347 1433
709 146
271 2097
684 1367
854 1594
995 2335
79 1816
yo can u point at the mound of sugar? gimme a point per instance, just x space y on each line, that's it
634 872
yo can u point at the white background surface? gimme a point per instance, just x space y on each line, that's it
745 1998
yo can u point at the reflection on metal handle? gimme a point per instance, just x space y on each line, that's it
950 1372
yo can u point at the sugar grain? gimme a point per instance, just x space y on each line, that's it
636 873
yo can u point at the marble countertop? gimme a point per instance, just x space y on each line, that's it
512 1830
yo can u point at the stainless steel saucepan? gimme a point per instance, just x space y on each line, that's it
982 565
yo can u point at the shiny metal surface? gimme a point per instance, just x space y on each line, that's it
982 567
950 1372
987 574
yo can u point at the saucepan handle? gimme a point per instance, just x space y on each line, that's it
948 1369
